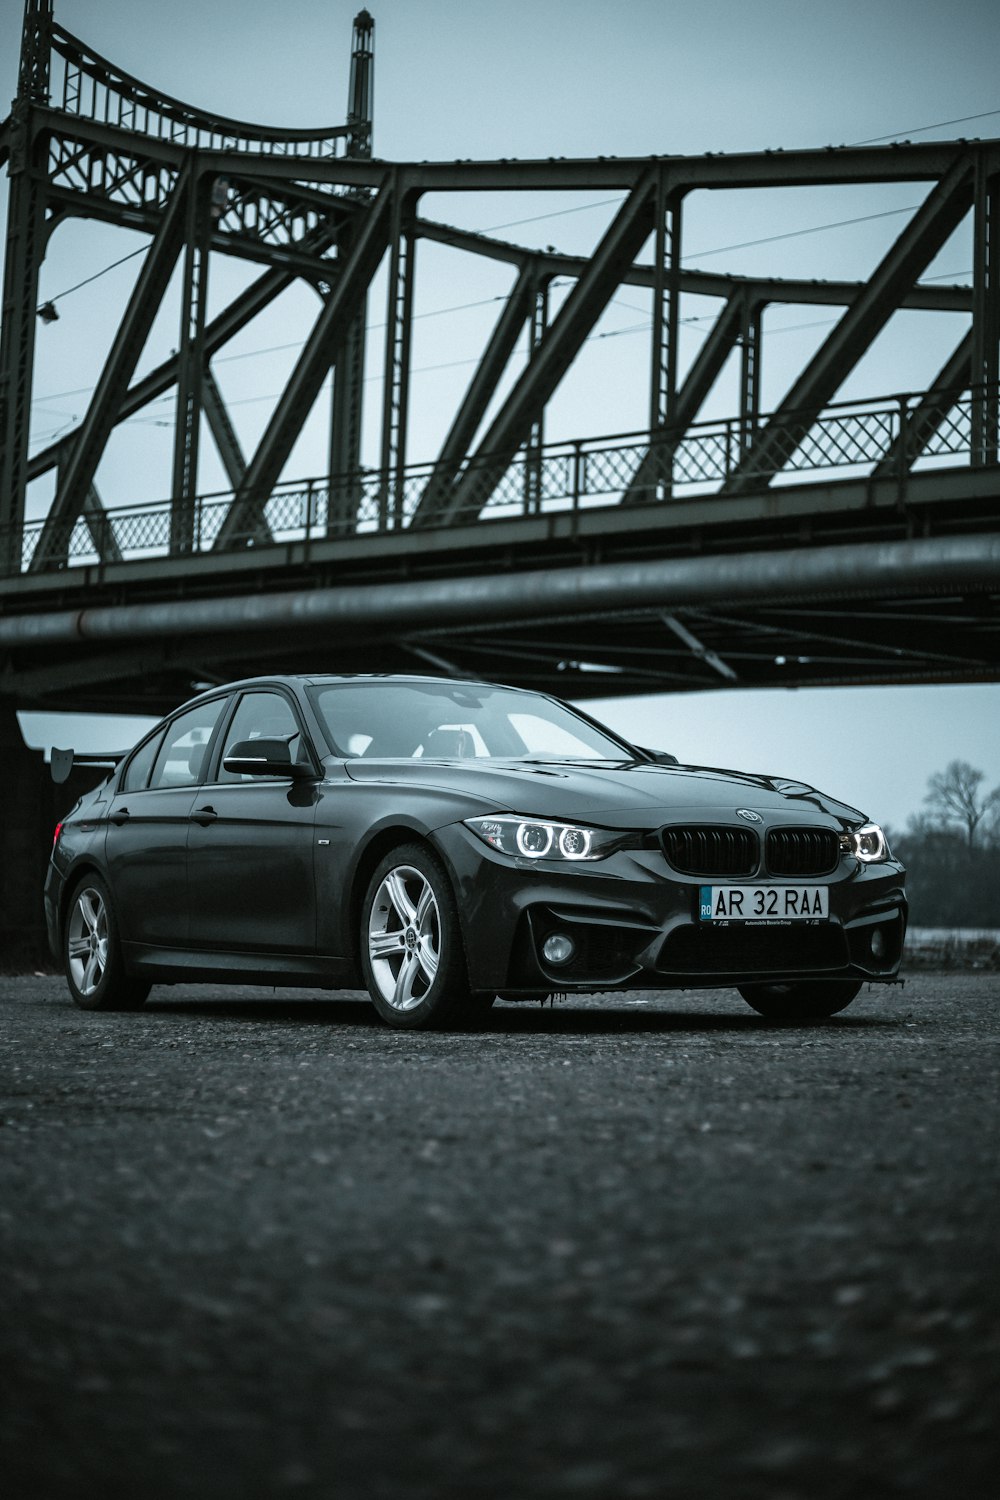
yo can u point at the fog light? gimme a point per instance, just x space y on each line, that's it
878 943
558 948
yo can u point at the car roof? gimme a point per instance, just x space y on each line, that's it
322 679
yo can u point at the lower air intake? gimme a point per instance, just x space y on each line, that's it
746 948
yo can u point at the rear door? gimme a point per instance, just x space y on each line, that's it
148 820
250 844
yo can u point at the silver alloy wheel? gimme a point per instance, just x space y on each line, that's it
404 937
87 940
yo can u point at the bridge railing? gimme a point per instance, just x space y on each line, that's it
888 438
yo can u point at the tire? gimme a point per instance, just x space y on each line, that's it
800 999
95 969
412 955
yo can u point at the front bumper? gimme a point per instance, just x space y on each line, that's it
633 923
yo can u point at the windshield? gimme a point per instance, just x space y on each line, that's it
410 720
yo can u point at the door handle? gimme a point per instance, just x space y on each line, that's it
120 815
204 816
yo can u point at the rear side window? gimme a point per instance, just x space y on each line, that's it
183 753
138 769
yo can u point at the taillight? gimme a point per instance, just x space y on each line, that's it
55 836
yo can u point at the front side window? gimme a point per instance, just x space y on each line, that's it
182 755
260 716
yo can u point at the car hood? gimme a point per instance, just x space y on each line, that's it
614 794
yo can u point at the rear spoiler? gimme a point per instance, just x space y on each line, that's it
63 761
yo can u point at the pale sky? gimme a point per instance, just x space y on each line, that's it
540 78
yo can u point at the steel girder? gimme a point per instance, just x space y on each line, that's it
80 469
553 354
223 431
516 311
22 260
241 311
349 371
296 202
652 479
946 206
807 574
86 139
985 347
935 298
926 418
328 336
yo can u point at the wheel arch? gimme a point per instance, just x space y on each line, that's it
381 844
71 880
375 849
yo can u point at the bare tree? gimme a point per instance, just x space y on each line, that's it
954 796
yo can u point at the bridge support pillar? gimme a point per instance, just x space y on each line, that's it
33 804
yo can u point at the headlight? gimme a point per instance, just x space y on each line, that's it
867 844
538 838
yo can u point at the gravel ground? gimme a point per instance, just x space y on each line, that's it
645 1246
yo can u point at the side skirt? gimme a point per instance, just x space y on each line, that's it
189 966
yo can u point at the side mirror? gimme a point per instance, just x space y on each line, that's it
263 757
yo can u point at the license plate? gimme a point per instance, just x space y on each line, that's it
763 903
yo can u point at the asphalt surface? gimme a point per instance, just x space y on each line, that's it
259 1247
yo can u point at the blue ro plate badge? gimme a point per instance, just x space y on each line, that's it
763 903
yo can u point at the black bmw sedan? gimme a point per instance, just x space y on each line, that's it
442 843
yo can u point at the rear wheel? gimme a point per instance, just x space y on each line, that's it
411 944
95 969
800 999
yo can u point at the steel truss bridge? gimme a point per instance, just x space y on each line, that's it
820 542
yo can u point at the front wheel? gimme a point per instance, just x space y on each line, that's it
411 943
95 969
800 999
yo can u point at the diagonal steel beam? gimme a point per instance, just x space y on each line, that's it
511 428
223 430
99 525
320 352
658 462
941 213
435 659
105 405
477 398
225 326
924 420
228 445
698 648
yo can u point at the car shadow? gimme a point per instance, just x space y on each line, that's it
562 1018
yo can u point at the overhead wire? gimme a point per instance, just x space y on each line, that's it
98 274
896 135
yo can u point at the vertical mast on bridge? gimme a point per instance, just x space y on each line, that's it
360 91
25 249
349 374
